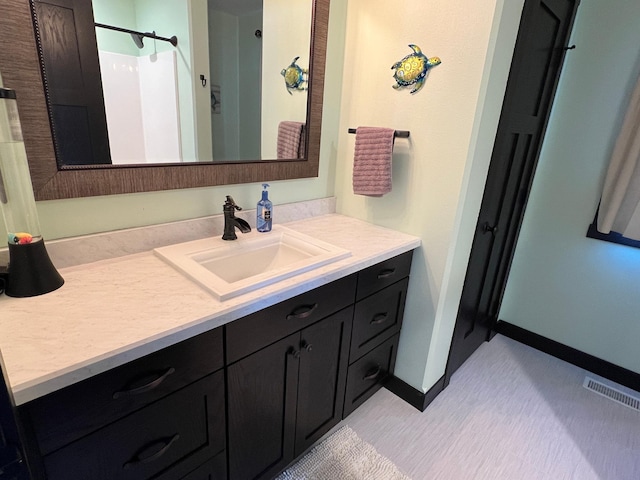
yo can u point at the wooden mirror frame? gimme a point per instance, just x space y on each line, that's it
20 70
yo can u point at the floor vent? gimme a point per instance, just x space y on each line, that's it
612 393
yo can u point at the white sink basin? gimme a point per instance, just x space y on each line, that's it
254 260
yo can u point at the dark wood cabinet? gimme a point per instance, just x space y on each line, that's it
177 433
68 414
240 402
379 311
293 375
367 374
377 318
324 349
262 405
253 332
284 397
381 275
159 417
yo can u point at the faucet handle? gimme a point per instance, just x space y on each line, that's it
231 203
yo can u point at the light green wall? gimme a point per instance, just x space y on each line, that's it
168 19
439 173
575 290
118 13
65 218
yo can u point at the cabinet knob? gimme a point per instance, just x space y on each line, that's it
486 228
293 352
306 346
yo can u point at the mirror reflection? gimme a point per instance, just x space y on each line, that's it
218 94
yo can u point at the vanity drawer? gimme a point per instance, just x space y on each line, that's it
64 416
178 433
366 376
383 274
377 318
256 331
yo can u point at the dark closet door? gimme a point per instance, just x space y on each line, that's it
12 462
540 47
73 81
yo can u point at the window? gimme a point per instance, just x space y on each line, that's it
618 216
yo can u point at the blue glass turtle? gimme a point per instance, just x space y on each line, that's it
412 69
294 76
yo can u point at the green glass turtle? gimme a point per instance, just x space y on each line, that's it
412 69
294 76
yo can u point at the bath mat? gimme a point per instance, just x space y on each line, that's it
343 456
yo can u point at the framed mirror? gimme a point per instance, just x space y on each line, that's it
20 69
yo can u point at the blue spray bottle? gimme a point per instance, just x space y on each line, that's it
264 211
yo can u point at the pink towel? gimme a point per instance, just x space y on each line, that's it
290 140
372 161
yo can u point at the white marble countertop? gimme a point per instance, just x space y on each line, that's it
113 311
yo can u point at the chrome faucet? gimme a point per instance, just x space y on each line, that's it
231 222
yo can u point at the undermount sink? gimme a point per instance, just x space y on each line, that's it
254 260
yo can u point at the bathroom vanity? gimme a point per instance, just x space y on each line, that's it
223 390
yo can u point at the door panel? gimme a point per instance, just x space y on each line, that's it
261 404
323 374
73 81
535 69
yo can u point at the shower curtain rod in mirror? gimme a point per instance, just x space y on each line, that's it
138 36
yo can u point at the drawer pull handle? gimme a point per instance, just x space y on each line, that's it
144 388
142 457
379 318
302 311
372 374
386 273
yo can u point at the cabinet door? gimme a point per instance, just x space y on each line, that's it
261 410
324 349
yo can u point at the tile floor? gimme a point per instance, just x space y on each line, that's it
510 412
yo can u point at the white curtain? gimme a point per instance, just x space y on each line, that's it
620 203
